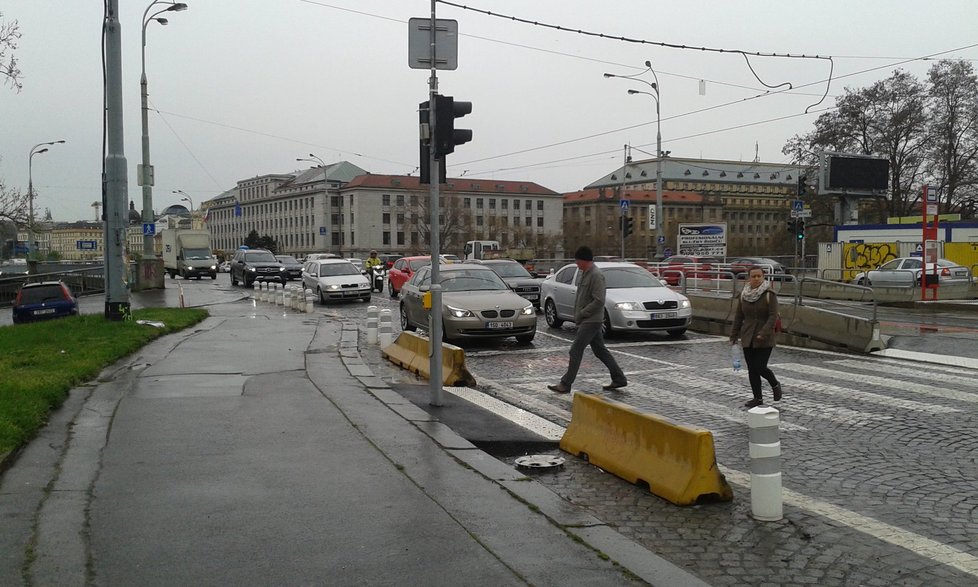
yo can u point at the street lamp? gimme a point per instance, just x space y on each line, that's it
145 173
30 187
659 220
327 221
186 198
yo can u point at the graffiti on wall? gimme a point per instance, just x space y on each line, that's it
857 257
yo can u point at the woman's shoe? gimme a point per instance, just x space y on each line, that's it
777 392
754 403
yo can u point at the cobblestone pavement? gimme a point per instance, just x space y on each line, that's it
880 456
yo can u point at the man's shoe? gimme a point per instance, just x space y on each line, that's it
613 386
558 388
777 392
754 403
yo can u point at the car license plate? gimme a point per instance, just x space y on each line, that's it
494 325
531 296
661 315
44 311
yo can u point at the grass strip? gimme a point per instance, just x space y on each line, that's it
41 361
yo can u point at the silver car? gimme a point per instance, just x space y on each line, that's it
906 271
335 279
476 303
634 300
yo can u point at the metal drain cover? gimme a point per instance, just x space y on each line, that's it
540 461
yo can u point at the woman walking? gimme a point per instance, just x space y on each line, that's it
757 311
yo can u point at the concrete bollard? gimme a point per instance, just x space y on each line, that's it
262 292
298 299
373 316
287 297
310 302
291 297
257 295
279 294
386 330
765 463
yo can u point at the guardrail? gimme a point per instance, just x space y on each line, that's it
836 286
82 282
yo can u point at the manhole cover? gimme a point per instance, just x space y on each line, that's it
540 461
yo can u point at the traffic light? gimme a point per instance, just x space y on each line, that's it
627 226
793 225
802 185
425 146
447 137
800 229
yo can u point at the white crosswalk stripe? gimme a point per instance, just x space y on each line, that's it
892 383
962 377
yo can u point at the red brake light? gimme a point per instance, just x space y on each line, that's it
17 301
945 271
65 293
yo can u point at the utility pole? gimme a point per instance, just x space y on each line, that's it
436 395
115 182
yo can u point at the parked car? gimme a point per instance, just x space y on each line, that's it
317 256
635 300
358 263
671 268
906 271
775 271
404 268
293 268
335 279
389 259
43 301
450 259
516 277
476 304
251 265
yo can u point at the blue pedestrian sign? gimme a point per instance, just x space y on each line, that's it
149 229
624 205
797 205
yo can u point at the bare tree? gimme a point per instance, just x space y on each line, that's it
9 34
454 221
14 205
954 132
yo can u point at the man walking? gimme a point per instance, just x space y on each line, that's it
589 315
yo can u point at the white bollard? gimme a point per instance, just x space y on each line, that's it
310 302
765 464
298 300
257 295
373 316
386 328
290 297
263 291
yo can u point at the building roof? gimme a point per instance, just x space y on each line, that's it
339 172
456 185
704 170
634 196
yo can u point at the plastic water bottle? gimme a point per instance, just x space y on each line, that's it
736 356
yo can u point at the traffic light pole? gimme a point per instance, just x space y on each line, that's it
436 394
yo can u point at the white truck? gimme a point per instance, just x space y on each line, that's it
187 253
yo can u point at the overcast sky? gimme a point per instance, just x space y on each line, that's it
240 88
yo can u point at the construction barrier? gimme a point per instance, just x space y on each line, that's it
411 351
676 462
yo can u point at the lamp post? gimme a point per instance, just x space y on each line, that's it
30 187
145 172
327 221
659 220
187 199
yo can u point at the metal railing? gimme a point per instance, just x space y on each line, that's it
819 283
81 282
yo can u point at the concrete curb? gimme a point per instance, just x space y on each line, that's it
572 519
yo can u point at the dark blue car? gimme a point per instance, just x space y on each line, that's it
42 301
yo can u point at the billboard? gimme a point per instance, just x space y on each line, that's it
848 173
702 240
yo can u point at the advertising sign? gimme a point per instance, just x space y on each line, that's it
703 240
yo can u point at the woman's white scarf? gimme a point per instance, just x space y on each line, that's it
752 294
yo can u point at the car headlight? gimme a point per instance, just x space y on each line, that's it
281 268
364 285
684 304
460 312
333 287
629 306
213 268
252 269
527 310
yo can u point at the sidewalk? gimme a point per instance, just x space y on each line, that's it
257 449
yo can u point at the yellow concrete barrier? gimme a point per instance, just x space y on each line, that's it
676 462
411 351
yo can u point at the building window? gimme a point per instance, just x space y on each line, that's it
387 238
336 201
400 238
540 205
414 199
414 238
334 219
529 205
400 200
478 220
400 218
492 203
529 221
505 204
540 221
478 203
516 204
386 218
467 203
386 199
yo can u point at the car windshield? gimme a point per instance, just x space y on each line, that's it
196 254
286 259
419 263
471 280
260 258
622 277
41 293
510 270
335 269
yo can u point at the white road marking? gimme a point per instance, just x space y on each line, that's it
901 385
920 545
811 390
929 358
931 372
526 419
